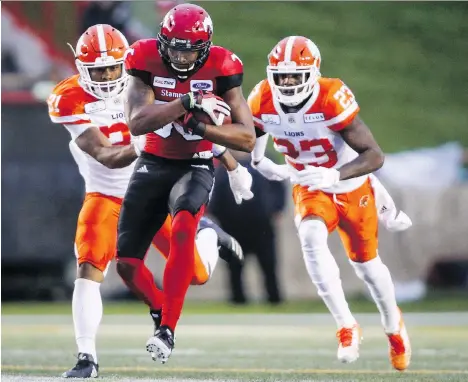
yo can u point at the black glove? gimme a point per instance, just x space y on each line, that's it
192 126
191 99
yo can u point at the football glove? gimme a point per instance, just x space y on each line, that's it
206 102
192 126
316 178
271 170
240 181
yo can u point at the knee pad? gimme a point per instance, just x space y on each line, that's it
320 263
369 270
313 234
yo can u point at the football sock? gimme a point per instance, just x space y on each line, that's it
207 251
379 282
323 270
179 267
140 281
87 315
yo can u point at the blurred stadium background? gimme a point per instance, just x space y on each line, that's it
406 63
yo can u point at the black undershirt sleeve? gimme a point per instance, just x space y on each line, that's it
225 83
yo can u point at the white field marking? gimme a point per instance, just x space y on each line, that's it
128 369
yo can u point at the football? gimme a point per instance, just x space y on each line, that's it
205 118
201 116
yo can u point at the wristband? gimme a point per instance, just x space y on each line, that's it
188 101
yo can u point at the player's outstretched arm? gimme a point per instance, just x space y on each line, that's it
227 159
359 137
96 144
240 135
142 115
240 179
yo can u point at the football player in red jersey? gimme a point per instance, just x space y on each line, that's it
90 106
175 171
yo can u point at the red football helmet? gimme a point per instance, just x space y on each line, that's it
185 38
293 69
100 46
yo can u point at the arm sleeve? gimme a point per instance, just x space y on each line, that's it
254 100
260 147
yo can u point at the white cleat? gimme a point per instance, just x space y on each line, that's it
160 345
349 340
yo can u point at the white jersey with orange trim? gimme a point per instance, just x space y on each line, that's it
310 135
76 109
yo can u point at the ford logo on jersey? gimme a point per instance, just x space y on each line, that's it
201 85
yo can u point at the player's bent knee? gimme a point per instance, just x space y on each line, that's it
91 272
182 226
362 255
185 203
313 233
199 279
127 266
369 270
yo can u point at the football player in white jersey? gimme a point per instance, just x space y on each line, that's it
90 106
330 154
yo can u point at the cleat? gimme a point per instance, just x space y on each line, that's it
160 346
399 348
156 315
229 248
349 340
84 368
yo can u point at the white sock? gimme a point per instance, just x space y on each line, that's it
207 245
87 314
323 270
379 282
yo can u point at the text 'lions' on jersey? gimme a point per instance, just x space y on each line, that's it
221 71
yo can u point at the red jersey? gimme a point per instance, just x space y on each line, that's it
222 71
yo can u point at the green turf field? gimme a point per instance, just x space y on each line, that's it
435 301
243 347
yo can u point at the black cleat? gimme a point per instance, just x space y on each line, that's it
156 315
229 248
84 368
160 346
